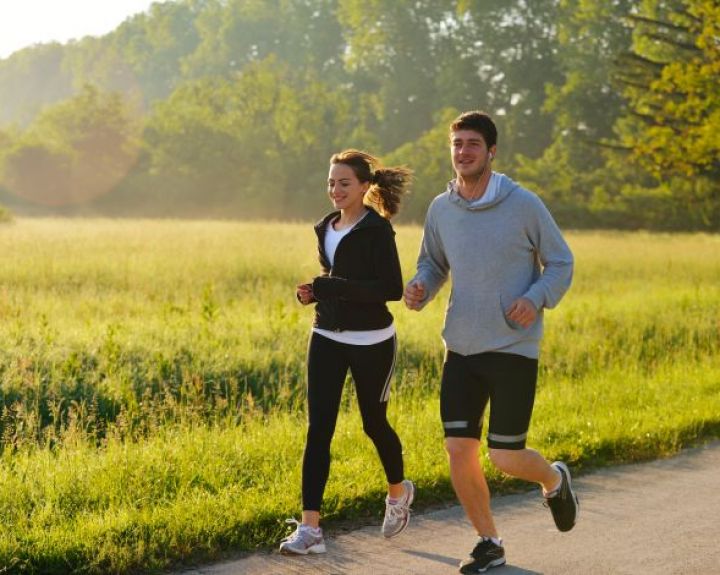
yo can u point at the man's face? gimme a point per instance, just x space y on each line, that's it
470 154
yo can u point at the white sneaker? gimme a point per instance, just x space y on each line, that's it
303 540
397 515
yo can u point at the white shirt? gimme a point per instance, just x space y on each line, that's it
332 239
490 192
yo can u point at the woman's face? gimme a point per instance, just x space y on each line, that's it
344 189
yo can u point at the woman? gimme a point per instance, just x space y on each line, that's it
353 329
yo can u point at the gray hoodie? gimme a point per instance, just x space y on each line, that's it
496 252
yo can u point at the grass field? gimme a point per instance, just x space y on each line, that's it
152 372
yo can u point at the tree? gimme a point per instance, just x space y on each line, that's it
29 79
74 151
673 85
235 33
254 146
423 56
670 80
572 173
515 48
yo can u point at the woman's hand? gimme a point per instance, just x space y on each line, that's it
304 294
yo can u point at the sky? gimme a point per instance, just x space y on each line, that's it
27 22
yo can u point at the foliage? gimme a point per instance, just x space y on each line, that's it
603 167
571 175
673 87
248 142
609 110
30 79
73 151
671 82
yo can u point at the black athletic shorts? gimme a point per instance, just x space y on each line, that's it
506 380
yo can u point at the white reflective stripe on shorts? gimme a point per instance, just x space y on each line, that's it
507 438
454 424
385 395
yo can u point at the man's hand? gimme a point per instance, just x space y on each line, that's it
414 295
523 312
305 294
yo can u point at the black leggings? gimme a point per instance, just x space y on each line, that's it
371 367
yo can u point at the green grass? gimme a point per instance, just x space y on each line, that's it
152 372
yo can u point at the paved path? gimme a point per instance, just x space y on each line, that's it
649 518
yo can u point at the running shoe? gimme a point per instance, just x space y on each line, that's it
397 515
485 555
563 502
303 540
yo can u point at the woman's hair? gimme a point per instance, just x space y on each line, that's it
387 185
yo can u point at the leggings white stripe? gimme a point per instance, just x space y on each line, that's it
385 395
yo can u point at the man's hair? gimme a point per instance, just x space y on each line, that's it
476 121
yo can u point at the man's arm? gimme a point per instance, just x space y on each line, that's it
432 268
554 256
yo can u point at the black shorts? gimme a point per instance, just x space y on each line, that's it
507 380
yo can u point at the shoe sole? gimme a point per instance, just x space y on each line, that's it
496 563
410 500
560 464
314 550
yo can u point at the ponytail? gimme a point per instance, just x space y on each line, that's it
387 187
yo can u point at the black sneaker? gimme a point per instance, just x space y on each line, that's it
564 502
485 555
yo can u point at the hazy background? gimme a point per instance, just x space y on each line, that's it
231 108
21 24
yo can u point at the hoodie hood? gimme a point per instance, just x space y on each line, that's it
505 187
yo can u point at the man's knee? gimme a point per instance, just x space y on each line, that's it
461 449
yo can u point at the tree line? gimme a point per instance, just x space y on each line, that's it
231 108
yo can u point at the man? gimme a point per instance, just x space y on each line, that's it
508 262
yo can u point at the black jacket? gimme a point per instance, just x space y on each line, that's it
351 294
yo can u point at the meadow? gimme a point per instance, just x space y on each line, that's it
152 384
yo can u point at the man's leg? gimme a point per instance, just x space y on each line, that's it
526 464
464 394
463 399
512 394
468 479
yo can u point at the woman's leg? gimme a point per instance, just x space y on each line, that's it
372 367
327 369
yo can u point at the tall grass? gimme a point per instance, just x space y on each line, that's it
152 373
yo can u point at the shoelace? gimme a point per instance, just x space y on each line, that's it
397 510
299 531
295 534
